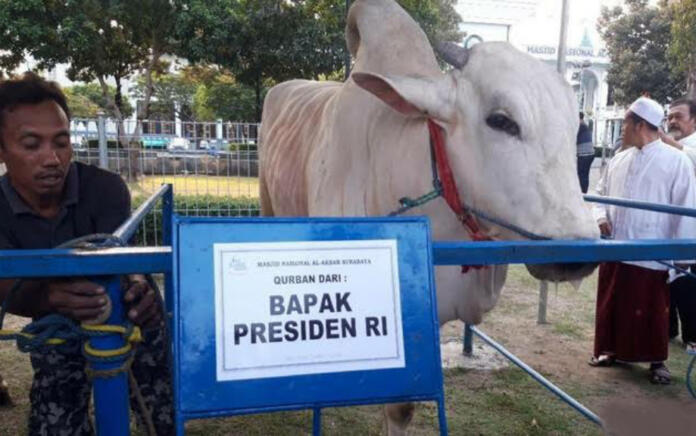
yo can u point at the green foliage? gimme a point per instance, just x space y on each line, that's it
225 98
682 52
90 97
80 106
438 18
149 233
173 95
637 41
277 40
98 39
236 146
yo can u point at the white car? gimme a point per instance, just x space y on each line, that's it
179 144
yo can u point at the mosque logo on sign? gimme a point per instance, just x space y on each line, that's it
237 266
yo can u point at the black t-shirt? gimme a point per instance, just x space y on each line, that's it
94 201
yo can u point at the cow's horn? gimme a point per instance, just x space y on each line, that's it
452 53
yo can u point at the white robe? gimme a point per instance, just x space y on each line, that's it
656 173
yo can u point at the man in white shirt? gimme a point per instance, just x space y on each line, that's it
633 297
682 304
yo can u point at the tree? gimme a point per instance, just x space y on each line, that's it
172 95
637 42
224 98
438 18
262 42
100 40
92 94
80 106
682 52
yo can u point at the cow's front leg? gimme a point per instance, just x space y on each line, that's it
398 416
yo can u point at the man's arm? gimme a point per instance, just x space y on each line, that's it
77 299
669 140
600 211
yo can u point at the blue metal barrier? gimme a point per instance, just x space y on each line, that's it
644 205
111 394
117 261
538 377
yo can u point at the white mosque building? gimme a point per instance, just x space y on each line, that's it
533 26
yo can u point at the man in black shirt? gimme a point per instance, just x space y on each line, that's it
46 200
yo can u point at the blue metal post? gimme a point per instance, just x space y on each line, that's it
468 340
316 422
540 378
441 416
111 407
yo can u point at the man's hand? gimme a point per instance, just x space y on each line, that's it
144 305
605 228
664 137
80 299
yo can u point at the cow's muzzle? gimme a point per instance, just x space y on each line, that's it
561 272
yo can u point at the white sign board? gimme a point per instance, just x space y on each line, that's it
295 308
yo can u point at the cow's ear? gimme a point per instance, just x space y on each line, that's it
413 96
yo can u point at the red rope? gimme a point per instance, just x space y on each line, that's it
449 188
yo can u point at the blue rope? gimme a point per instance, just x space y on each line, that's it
50 327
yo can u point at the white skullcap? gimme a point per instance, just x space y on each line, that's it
649 110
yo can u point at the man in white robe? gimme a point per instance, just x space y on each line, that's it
681 126
633 297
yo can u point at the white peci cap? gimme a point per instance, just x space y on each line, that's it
649 110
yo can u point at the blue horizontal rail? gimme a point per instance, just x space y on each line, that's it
560 251
538 377
68 262
635 204
130 260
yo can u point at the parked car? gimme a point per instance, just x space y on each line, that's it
179 144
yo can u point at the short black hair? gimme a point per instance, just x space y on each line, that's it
582 116
29 88
688 102
637 119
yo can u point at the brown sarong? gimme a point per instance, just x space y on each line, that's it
632 313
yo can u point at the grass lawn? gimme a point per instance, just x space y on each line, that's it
199 185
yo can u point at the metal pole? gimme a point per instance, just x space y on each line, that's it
468 340
316 422
561 60
103 151
346 59
126 230
111 406
543 298
538 377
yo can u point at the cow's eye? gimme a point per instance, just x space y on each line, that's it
500 121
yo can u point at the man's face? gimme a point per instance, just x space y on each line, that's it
628 130
679 121
36 149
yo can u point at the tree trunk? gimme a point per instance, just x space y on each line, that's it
691 82
115 104
259 107
144 109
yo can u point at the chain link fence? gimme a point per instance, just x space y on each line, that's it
213 166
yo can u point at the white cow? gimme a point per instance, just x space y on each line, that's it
356 148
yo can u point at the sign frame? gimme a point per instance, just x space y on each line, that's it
198 394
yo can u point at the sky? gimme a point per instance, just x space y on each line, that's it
537 22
